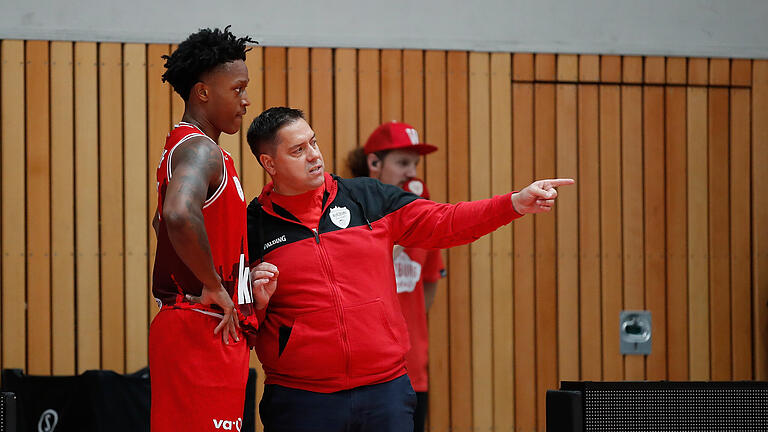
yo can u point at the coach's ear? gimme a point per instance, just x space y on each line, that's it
268 163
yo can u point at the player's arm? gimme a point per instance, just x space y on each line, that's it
197 166
156 223
430 289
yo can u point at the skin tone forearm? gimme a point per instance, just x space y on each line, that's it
156 223
197 165
430 289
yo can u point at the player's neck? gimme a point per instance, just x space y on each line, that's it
202 123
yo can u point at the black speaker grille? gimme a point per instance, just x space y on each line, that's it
682 409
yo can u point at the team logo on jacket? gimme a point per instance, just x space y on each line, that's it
340 216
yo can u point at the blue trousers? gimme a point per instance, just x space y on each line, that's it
385 407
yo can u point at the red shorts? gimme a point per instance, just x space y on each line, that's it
198 382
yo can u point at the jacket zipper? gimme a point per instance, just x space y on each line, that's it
336 294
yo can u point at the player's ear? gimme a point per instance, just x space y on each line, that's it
200 91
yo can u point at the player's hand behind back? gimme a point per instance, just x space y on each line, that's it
217 295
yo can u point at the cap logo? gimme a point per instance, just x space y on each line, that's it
412 135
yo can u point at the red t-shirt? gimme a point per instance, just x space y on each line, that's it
413 267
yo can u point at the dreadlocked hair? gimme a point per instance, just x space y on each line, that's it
200 53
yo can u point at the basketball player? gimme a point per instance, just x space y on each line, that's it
198 354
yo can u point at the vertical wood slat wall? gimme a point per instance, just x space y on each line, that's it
666 215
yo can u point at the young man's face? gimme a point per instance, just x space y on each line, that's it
227 98
297 164
396 167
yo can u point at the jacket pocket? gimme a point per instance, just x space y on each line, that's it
374 346
312 349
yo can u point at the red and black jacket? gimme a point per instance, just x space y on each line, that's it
334 321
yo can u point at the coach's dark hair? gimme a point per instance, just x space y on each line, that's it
263 129
200 53
357 161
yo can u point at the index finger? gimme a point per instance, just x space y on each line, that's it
267 266
561 182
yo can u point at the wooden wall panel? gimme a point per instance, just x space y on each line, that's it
588 185
523 269
368 93
740 189
412 88
251 173
676 202
435 131
321 102
611 223
345 105
110 233
159 96
759 214
38 194
87 207
480 251
501 277
545 244
567 210
62 210
392 85
135 185
459 282
298 80
14 332
719 234
698 236
655 226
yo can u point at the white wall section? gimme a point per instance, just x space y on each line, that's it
733 28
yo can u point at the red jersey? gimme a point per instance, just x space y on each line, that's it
414 267
224 214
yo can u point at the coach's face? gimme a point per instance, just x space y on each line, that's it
297 164
226 98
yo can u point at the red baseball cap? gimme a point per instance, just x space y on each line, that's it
395 135
416 186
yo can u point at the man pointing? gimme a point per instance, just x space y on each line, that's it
333 340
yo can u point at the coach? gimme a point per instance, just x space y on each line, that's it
333 339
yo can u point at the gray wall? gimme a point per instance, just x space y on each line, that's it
726 28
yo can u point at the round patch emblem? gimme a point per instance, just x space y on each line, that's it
416 187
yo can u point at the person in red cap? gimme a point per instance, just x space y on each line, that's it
333 339
391 154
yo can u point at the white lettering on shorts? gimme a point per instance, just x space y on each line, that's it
228 424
